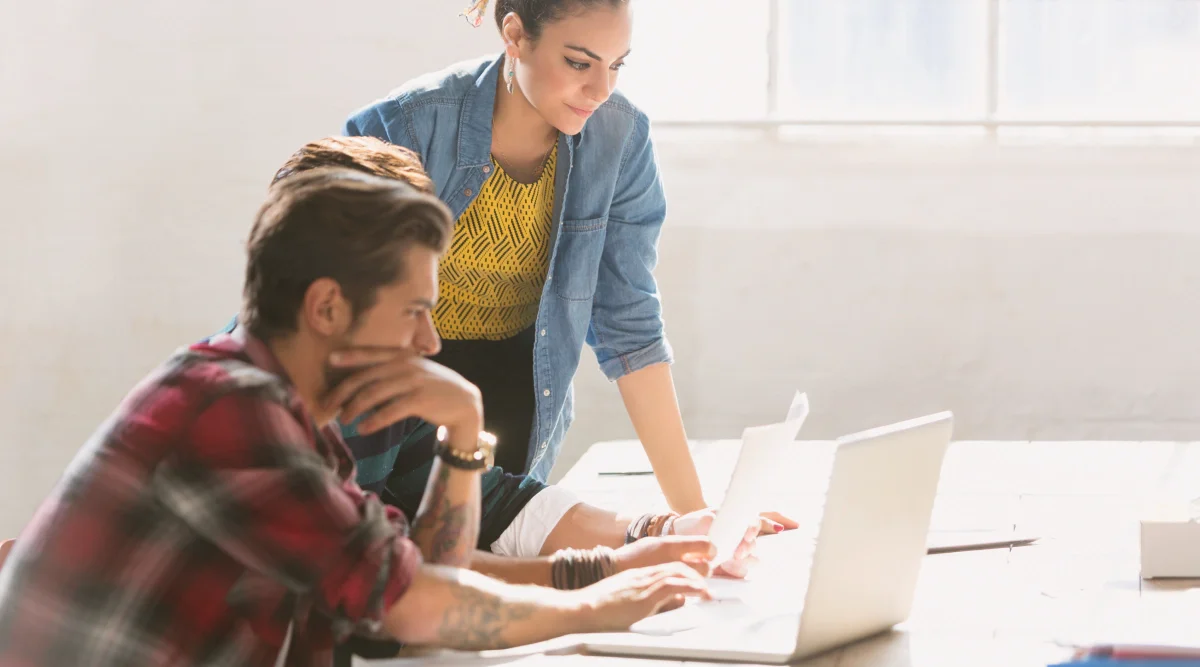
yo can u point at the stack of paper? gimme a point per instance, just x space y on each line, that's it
1157 631
1134 653
1133 658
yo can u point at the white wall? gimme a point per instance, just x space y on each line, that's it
137 138
1037 292
1040 293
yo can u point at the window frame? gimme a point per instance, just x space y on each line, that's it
990 120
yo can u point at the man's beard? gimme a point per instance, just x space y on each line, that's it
333 376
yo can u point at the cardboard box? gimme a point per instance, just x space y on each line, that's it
1170 536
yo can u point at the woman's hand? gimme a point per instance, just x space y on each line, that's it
699 523
695 551
774 522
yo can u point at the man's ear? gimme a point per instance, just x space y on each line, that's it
325 310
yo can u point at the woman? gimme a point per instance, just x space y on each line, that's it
552 177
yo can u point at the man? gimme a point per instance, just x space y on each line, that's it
214 518
523 520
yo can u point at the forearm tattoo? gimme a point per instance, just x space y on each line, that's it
447 529
475 620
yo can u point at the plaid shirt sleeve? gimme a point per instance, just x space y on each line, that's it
252 481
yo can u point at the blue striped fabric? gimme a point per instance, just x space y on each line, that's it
395 463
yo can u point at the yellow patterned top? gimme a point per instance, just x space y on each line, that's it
491 279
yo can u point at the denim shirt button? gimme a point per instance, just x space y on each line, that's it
468 192
543 332
545 392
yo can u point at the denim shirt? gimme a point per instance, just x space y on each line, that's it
609 208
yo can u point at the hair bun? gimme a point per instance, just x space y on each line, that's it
475 13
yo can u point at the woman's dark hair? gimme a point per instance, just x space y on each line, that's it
535 14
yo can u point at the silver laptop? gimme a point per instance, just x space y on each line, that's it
857 581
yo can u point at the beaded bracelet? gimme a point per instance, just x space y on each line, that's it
650 525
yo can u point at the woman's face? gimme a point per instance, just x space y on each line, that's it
572 68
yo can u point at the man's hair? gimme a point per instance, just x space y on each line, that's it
366 154
351 227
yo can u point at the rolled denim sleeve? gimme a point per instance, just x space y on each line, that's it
626 330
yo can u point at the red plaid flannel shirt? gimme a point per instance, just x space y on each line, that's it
198 523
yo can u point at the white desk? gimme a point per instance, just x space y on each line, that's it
998 607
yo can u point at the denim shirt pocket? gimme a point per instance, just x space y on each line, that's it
577 260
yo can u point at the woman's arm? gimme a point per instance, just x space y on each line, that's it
535 571
626 330
696 552
649 396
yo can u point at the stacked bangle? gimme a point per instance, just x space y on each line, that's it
575 568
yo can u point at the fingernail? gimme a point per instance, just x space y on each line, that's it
778 527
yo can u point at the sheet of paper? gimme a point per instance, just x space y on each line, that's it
740 509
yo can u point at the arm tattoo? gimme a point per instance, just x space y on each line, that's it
475 619
449 531
444 525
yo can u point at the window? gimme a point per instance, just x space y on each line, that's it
950 62
882 59
1122 59
699 61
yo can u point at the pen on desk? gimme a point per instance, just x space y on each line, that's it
624 473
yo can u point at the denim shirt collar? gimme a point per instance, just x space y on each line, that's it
475 122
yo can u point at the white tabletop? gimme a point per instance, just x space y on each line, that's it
1007 607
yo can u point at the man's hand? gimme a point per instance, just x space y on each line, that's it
696 552
397 385
615 603
699 523
393 385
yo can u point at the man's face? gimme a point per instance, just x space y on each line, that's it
401 318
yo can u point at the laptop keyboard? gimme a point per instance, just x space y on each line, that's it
694 615
736 605
740 603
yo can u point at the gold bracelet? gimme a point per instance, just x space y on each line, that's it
483 458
